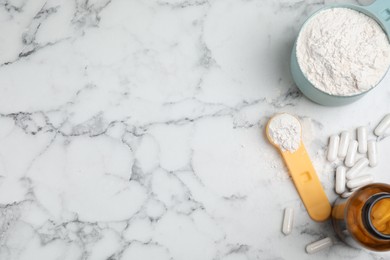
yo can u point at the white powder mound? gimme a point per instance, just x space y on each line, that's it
343 52
285 132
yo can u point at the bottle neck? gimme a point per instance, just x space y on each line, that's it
367 212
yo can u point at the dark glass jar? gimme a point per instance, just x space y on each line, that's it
363 220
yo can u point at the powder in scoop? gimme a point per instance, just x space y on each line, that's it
285 132
343 52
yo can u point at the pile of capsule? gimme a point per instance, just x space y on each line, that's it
349 176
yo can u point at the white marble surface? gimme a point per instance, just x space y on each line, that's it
134 129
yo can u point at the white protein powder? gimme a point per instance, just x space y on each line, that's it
343 52
285 132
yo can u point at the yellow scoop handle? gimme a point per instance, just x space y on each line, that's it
306 181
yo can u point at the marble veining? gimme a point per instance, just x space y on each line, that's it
134 129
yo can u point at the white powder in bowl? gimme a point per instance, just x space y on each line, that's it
343 52
285 131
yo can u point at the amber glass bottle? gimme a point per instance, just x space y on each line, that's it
363 220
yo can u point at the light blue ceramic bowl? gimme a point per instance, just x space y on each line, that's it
380 11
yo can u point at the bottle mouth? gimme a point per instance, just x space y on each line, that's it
368 211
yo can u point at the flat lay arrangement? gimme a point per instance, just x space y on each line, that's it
194 130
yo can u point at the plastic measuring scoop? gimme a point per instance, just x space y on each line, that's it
380 12
304 177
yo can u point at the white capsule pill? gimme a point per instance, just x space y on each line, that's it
340 180
344 142
360 181
351 154
362 139
357 168
319 245
383 125
354 189
346 194
288 221
333 148
372 153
